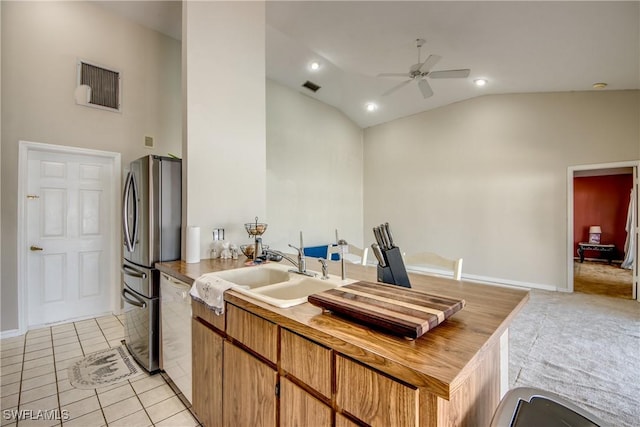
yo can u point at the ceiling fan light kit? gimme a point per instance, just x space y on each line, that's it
421 70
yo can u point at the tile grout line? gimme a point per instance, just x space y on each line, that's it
141 404
69 360
96 390
104 417
55 374
103 335
24 352
131 385
180 395
144 408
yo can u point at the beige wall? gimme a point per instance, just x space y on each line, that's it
486 179
314 171
225 139
41 42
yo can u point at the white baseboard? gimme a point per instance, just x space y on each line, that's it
509 283
10 333
485 280
73 319
17 332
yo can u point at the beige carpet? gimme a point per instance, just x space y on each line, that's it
602 279
583 347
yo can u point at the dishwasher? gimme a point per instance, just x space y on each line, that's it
175 314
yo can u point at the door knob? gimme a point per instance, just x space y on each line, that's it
35 248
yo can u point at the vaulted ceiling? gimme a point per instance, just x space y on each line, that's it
520 46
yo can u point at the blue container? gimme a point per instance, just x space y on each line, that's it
320 252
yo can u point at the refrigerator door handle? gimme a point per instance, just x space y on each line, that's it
130 271
125 211
130 235
135 302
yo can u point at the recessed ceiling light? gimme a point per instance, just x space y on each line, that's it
314 66
599 85
371 106
480 82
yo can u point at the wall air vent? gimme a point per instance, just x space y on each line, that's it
311 86
103 86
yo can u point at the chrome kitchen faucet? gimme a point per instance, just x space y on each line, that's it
302 262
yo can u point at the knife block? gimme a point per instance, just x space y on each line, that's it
394 273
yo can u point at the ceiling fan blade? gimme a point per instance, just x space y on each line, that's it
449 74
429 63
396 87
425 88
393 75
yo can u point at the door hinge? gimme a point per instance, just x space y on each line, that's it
277 390
32 196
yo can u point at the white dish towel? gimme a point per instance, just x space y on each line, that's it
209 289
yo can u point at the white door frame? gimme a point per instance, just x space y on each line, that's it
113 242
570 254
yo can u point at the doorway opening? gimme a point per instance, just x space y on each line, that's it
68 239
602 231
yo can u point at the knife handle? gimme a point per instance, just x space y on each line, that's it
385 238
389 235
378 254
378 236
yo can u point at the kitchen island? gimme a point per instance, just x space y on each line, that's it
263 365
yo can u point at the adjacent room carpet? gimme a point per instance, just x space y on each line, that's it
102 368
583 347
602 279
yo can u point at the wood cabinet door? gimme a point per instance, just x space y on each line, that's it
342 421
207 347
249 390
307 361
299 408
374 398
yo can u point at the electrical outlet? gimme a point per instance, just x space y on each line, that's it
148 141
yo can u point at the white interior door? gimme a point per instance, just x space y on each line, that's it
68 271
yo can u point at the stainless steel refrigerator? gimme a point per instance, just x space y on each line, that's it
151 223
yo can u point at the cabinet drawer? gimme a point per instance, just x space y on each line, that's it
198 309
299 408
307 361
256 333
372 397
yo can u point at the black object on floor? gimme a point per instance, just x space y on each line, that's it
532 407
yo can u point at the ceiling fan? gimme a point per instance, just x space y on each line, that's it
421 70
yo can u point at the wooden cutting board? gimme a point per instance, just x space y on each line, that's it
398 310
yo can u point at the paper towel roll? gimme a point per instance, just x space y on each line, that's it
193 245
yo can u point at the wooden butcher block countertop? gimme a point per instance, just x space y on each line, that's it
440 360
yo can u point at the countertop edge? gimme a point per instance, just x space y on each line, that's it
393 366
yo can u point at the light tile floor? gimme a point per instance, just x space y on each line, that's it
33 378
